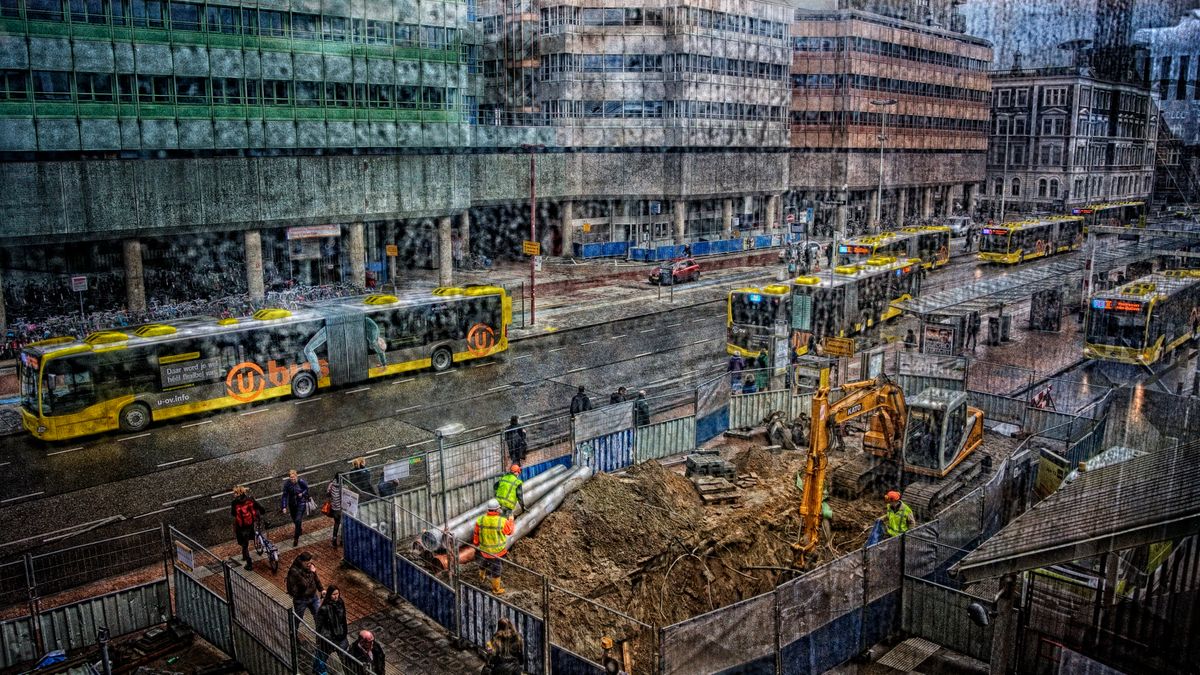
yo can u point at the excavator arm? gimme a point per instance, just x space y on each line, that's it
863 398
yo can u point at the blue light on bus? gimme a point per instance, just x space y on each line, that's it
754 297
1099 303
986 231
842 249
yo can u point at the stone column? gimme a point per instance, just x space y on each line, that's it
926 202
901 206
970 191
358 266
772 210
680 214
390 239
135 287
3 315
445 253
727 218
254 264
567 215
872 222
948 200
464 233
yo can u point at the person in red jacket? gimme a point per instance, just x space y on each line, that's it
491 537
245 510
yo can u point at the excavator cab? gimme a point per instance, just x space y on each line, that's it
936 431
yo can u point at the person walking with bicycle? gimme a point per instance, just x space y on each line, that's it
245 511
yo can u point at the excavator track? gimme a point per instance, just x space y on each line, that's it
856 477
928 497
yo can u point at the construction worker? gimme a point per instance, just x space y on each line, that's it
898 518
509 491
491 536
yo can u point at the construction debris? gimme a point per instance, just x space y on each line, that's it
715 490
709 463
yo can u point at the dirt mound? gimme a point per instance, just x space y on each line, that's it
759 461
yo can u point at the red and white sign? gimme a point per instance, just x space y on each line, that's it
314 231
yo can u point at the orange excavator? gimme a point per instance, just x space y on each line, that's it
925 446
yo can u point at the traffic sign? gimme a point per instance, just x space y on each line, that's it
587 227
835 346
79 284
532 248
791 217
392 250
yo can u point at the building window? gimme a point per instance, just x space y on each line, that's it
222 20
10 8
226 90
50 85
1019 126
998 188
14 85
191 90
1004 98
97 87
1055 96
44 10
1079 188
1041 187
154 88
148 14
1054 188
1022 98
185 16
1016 187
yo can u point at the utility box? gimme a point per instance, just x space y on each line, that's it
993 336
1005 328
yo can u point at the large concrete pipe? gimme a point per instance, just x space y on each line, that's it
463 526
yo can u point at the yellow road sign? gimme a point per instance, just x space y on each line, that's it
839 346
532 248
392 250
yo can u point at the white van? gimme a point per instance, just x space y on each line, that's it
958 225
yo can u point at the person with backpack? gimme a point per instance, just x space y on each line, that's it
580 402
245 510
294 501
516 440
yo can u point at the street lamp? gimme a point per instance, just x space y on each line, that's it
1008 125
883 103
533 149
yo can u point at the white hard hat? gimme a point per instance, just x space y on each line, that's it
493 505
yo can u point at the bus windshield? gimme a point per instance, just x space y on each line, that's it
994 242
27 373
754 309
1117 328
67 386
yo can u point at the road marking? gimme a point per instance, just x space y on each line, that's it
308 400
7 463
475 429
254 412
14 499
485 363
407 379
503 386
130 438
181 500
518 358
589 342
369 456
411 407
178 461
576 370
317 466
616 337
376 451
444 372
216 496
674 325
659 381
638 356
56 452
196 424
648 330
558 349
80 529
151 513
699 320
300 433
355 391
416 445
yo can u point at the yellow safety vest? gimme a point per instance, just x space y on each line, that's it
895 521
506 491
492 539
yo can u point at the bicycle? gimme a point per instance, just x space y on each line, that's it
263 546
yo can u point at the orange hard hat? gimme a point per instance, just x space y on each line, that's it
892 496
515 468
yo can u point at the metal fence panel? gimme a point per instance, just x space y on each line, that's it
410 507
367 549
256 657
603 421
465 463
1051 424
263 616
479 612
712 425
204 611
729 637
565 662
915 384
998 408
607 453
464 498
748 410
820 614
325 657
425 592
664 439
712 396
16 642
882 565
73 626
14 588
71 567
938 614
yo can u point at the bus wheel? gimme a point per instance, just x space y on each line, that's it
134 417
441 359
303 385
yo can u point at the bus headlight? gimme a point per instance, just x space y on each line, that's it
41 430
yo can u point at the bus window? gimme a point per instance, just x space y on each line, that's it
754 309
443 323
994 241
485 310
1116 329
28 375
67 387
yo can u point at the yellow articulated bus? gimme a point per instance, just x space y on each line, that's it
126 379
1113 214
1144 320
752 316
852 299
1013 243
930 243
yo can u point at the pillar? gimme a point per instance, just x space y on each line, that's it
680 214
358 250
445 258
970 191
135 287
727 218
901 206
390 240
872 222
567 211
464 233
926 202
254 264
772 210
3 316
948 200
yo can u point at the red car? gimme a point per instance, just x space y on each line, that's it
684 269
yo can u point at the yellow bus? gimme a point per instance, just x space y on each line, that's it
852 299
929 243
126 379
753 316
1013 243
1113 214
1144 320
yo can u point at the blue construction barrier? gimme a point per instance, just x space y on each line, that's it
825 648
762 241
479 611
607 453
368 550
763 666
881 619
614 249
542 467
702 248
425 593
670 252
564 662
600 249
712 425
641 254
588 250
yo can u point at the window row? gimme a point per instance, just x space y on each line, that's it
873 83
52 85
1006 98
555 64
733 23
842 118
565 15
889 49
658 109
190 16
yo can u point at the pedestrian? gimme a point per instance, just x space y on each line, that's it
516 441
973 326
304 586
687 250
580 402
618 396
386 488
333 505
509 491
245 511
910 340
360 476
294 501
898 518
762 376
748 385
368 652
331 625
736 365
641 410
506 650
829 255
491 536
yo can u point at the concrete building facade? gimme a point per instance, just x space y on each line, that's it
1065 137
1175 84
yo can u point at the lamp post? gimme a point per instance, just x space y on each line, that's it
533 149
883 103
1004 174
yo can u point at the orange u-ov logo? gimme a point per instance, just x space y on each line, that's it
245 381
480 339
